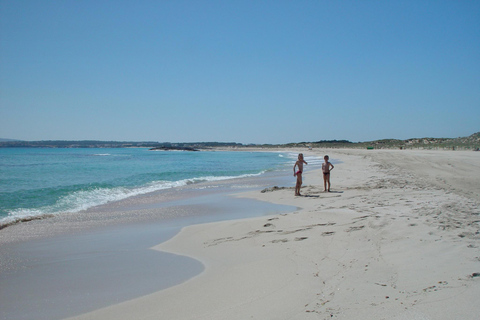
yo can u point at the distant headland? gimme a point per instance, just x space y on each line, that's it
471 142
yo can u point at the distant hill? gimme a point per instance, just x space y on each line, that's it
111 144
470 142
74 144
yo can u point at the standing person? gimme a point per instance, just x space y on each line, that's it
298 173
326 168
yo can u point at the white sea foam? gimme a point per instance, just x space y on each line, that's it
85 199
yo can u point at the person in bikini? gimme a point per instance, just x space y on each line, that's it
326 168
298 173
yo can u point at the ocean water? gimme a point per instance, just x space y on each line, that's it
36 183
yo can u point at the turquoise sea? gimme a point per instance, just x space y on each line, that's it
40 182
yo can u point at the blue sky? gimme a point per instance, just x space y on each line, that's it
243 71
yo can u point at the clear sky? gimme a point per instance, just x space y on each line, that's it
249 71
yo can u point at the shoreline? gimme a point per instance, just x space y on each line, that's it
103 255
392 241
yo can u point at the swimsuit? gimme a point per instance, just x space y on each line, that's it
325 167
299 172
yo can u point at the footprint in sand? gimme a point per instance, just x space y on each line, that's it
328 233
301 238
355 228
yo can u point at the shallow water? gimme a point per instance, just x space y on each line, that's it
81 262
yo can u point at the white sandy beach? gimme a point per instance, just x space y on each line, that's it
398 238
